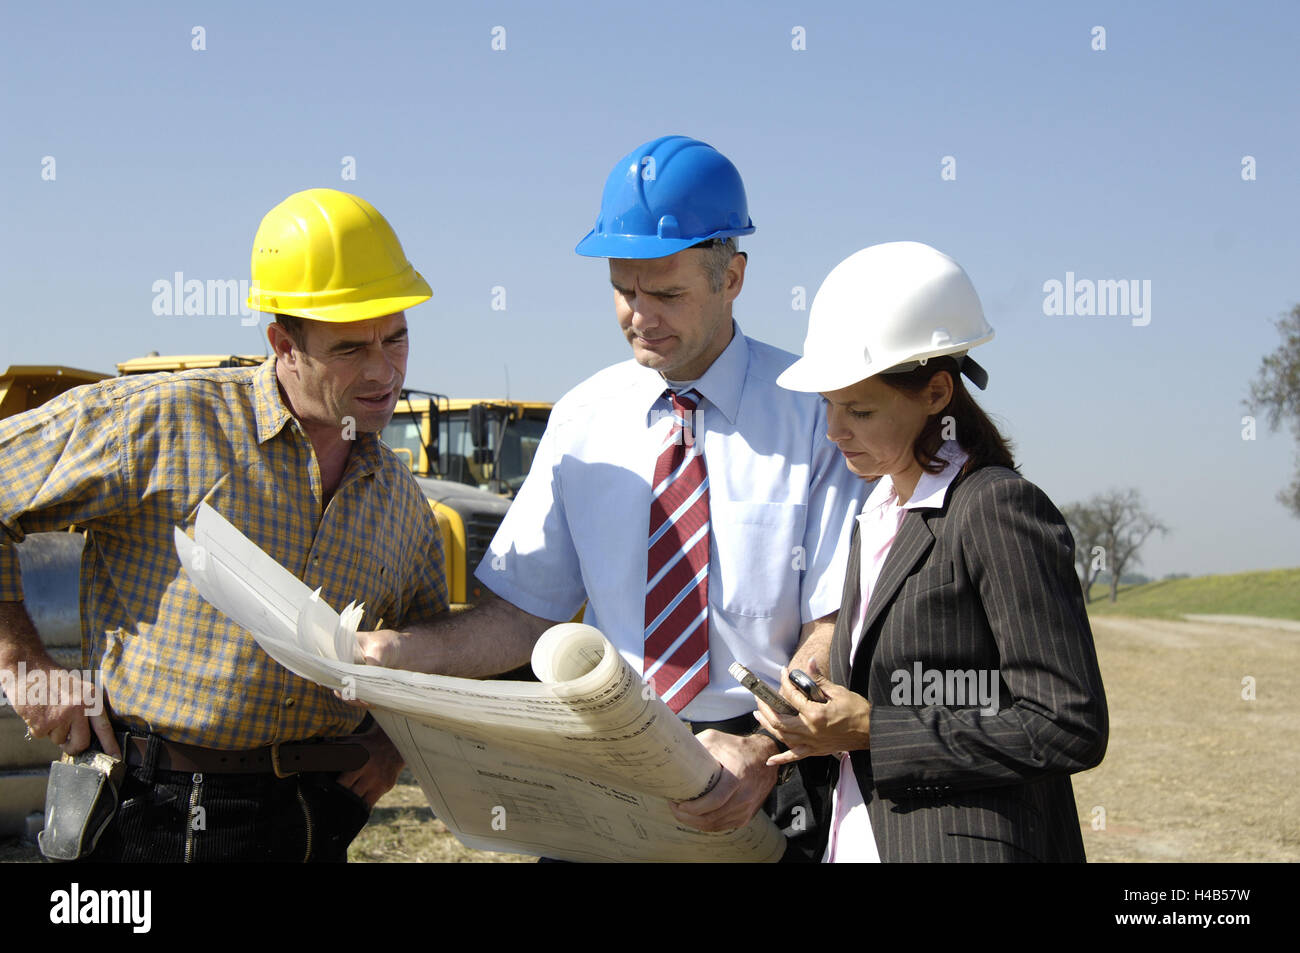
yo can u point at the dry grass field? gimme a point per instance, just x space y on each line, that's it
1194 772
402 830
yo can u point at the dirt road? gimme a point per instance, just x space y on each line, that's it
1194 771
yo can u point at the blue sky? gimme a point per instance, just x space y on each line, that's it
1115 164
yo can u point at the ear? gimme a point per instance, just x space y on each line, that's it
939 391
734 279
281 343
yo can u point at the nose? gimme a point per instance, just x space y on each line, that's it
643 312
836 424
380 366
641 307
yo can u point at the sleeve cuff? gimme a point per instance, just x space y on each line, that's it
526 601
822 604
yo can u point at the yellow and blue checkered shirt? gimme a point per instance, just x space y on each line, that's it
128 459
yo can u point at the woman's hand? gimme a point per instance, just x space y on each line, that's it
843 723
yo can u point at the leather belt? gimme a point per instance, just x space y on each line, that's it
281 759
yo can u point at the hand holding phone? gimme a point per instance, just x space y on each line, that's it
761 690
802 681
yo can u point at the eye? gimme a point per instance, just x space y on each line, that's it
860 414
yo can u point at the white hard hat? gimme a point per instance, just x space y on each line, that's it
885 308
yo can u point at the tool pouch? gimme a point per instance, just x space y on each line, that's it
80 800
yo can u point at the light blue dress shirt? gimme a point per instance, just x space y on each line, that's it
782 504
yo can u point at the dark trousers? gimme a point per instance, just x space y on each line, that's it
178 817
801 809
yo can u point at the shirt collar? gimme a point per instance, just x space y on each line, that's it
365 458
268 405
930 489
720 385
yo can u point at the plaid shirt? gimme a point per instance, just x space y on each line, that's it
130 458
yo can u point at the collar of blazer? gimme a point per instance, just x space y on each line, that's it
914 540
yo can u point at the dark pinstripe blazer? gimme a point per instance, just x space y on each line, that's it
987 582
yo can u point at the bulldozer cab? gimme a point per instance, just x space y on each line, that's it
480 443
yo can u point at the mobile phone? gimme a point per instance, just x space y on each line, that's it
761 690
801 680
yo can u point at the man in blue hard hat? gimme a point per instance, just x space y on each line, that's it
697 508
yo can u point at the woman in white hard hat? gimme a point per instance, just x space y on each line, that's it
963 687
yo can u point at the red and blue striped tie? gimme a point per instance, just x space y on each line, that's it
677 570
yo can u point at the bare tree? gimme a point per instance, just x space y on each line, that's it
1089 552
1109 530
1277 390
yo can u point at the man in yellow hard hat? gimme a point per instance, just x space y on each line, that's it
229 756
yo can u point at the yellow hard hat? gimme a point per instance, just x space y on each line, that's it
330 256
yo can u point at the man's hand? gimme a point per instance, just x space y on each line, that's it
744 785
70 707
377 776
382 647
73 708
841 724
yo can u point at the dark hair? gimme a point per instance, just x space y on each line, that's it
293 327
973 429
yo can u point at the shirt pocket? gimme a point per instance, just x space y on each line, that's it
269 515
377 588
759 557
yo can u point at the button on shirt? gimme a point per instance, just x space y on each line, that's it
852 840
781 507
129 459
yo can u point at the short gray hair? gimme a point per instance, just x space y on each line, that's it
717 256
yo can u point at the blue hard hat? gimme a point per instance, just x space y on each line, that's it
666 195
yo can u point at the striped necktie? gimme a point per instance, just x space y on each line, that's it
677 570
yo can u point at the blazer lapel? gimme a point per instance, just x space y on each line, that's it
914 540
850 606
